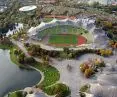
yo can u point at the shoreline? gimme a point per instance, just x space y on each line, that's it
41 70
42 78
42 75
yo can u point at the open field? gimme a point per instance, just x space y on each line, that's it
66 40
63 39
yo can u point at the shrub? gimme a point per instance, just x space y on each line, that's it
84 88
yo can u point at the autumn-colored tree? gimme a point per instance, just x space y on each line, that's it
107 24
88 72
83 67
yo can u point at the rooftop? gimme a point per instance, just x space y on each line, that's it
27 8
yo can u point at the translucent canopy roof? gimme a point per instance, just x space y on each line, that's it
108 79
36 95
103 91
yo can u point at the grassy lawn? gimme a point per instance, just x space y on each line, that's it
51 75
62 88
16 94
2 46
13 95
63 39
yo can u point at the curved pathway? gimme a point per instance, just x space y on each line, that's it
21 46
73 78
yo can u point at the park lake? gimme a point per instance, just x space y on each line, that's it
12 77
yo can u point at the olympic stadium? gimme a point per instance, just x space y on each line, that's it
68 32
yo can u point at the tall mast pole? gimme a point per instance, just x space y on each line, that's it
37 2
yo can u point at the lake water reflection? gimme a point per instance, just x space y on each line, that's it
12 77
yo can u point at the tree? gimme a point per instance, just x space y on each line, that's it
16 52
102 52
66 50
107 25
29 60
45 63
108 52
21 58
88 72
83 67
96 4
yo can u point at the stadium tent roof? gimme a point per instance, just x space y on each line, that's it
36 95
100 38
108 79
106 83
27 8
90 26
42 24
32 29
67 21
103 91
55 22
99 31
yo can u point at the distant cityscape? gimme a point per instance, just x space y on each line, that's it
25 2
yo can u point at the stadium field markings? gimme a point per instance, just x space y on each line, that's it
66 40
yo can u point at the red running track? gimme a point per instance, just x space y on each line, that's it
81 40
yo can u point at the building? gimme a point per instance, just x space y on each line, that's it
27 10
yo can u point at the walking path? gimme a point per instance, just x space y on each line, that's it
73 78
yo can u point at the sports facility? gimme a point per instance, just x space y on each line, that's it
63 39
63 36
61 33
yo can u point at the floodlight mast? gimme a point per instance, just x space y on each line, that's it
93 40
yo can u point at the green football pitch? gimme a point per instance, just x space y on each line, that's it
67 39
60 30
